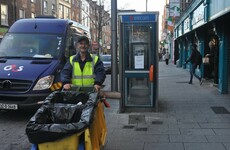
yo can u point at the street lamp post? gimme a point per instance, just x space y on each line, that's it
114 86
146 5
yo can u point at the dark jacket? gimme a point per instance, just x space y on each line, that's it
192 57
99 71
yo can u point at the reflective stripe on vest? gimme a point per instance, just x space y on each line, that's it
85 77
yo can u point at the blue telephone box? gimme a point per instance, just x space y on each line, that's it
138 61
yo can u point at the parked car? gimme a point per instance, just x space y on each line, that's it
106 59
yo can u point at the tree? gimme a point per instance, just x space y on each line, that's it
98 17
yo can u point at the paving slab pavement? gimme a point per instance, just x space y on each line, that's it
190 117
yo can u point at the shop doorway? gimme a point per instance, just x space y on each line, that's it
212 52
176 52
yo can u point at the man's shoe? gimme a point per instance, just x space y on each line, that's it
201 81
189 82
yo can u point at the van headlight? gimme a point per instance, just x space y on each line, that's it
44 83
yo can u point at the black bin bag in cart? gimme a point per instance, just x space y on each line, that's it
63 114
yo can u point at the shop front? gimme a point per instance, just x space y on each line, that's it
203 24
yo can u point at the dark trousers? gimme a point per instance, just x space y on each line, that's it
167 61
192 72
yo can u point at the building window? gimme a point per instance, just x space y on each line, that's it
4 14
67 13
33 1
61 13
21 13
83 7
45 6
61 8
33 15
73 16
53 6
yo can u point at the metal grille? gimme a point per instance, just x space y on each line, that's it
141 129
128 126
220 110
134 119
14 85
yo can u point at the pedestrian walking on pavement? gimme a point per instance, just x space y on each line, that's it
196 60
83 69
167 58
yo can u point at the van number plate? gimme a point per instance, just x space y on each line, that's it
8 106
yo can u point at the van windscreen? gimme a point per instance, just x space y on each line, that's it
28 45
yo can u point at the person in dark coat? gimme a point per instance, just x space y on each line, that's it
194 62
83 75
167 58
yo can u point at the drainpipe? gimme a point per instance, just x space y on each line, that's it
13 4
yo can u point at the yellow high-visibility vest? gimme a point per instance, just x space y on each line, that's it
85 77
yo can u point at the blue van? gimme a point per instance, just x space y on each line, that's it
32 54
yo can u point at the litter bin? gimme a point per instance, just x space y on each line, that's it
65 119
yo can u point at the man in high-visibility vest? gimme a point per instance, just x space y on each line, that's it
83 69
